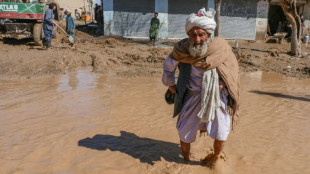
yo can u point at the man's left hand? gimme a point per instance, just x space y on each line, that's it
222 85
172 89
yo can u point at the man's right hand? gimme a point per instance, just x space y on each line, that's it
172 89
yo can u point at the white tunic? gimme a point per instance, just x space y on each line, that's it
188 122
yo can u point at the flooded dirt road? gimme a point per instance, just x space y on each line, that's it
88 123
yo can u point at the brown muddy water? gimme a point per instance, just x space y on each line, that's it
88 123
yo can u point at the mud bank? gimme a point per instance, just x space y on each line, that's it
113 55
132 57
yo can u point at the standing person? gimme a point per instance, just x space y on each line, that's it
279 28
48 25
70 27
96 13
61 13
302 20
76 14
268 30
65 14
154 28
207 86
289 29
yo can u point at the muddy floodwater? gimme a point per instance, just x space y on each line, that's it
83 122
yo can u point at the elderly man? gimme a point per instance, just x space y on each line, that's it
207 89
48 25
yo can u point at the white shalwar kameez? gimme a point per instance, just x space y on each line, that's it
188 122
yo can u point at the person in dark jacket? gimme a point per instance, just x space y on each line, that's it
48 25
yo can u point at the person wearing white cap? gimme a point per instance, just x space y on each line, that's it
207 89
70 27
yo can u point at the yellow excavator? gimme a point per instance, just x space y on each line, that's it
86 16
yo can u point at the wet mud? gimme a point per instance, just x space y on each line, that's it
85 122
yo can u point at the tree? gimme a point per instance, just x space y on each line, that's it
289 9
218 4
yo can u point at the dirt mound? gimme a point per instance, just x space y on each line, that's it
272 57
132 57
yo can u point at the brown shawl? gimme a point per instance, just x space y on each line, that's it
220 56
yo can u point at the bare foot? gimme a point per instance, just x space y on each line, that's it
186 161
211 159
223 156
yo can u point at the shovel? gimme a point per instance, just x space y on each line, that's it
71 39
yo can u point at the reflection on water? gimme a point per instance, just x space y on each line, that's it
276 85
77 80
83 122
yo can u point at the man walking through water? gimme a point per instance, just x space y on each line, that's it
154 28
207 90
48 25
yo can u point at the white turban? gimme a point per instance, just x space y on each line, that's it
203 19
69 11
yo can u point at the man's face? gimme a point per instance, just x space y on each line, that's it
198 42
198 36
155 15
54 8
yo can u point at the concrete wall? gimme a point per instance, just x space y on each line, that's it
108 17
262 19
238 19
179 10
131 18
161 6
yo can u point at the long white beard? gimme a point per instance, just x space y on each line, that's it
198 50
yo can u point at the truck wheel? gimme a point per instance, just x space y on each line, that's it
5 40
37 33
